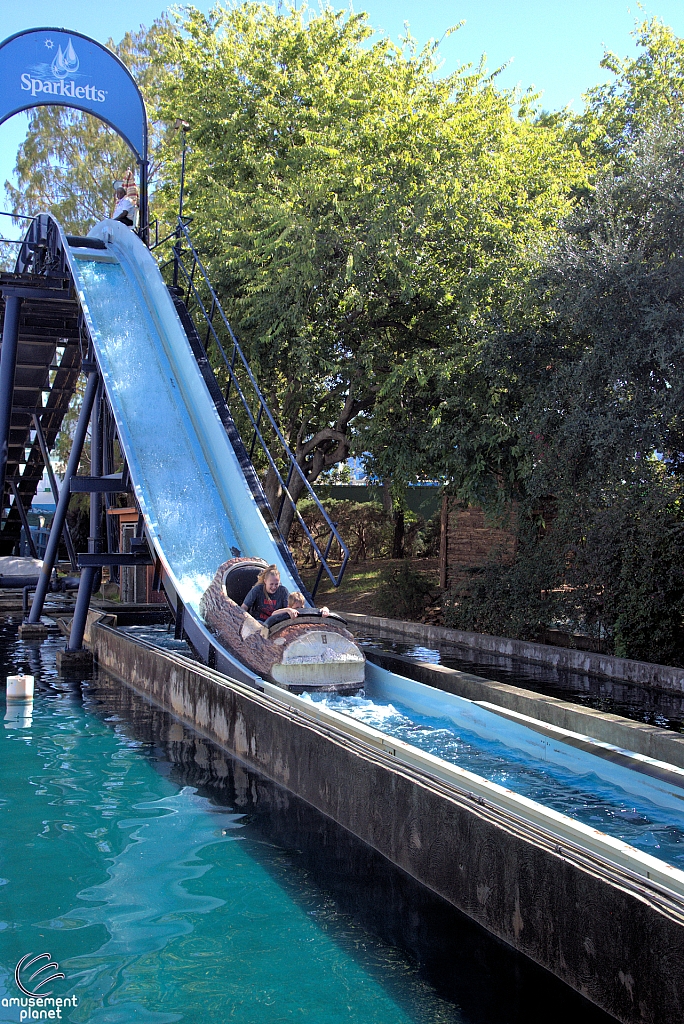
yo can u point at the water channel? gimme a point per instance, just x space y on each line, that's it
171 884
641 704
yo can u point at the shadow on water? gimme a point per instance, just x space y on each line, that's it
358 896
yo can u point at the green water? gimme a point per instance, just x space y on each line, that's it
147 895
170 883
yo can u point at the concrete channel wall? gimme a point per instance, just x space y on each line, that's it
599 725
643 673
615 938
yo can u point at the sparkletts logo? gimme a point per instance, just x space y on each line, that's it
65 63
31 974
59 76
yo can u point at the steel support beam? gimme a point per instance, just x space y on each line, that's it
24 518
114 484
111 524
63 503
54 487
88 574
114 558
8 365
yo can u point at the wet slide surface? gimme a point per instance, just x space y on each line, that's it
198 507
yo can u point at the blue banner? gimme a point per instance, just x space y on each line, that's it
50 65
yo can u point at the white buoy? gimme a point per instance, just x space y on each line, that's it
20 687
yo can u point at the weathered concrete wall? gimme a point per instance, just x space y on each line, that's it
663 677
600 725
485 977
615 939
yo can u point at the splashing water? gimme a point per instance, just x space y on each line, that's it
587 798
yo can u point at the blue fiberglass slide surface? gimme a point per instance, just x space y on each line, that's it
645 812
197 505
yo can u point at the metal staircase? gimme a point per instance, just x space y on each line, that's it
40 296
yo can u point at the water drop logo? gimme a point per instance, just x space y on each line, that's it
61 76
65 62
29 961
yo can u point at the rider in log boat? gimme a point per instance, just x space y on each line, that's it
276 634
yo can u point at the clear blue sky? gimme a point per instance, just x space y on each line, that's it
553 45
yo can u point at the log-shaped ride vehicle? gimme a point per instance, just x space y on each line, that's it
309 652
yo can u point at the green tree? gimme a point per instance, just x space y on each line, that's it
484 430
595 401
645 90
360 216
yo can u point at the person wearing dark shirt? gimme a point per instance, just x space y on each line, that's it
267 596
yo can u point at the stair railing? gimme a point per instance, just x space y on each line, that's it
250 412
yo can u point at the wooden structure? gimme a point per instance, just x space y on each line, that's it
136 582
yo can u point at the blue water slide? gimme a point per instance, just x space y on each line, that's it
198 508
199 511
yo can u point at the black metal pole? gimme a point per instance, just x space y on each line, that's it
85 586
96 470
54 487
182 181
24 518
108 467
176 247
63 503
144 211
8 365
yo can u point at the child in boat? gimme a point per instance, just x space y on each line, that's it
295 600
267 596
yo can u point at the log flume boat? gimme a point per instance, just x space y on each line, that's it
311 652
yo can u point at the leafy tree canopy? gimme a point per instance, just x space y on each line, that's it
361 216
592 377
595 315
645 90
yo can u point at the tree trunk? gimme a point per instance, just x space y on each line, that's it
297 488
387 495
272 489
398 539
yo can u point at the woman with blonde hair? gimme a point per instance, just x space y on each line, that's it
268 596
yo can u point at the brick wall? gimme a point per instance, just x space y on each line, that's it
467 541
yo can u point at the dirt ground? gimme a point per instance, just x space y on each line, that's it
365 583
